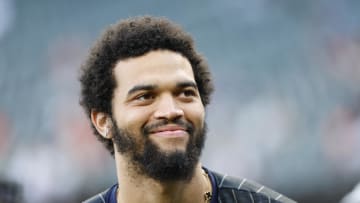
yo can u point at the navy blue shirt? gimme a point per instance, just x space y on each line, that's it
110 196
214 197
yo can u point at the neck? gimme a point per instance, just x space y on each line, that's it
139 188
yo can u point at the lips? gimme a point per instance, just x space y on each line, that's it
169 131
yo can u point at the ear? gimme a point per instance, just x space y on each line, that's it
102 123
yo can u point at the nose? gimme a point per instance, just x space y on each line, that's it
167 108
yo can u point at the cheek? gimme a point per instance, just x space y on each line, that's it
197 115
132 120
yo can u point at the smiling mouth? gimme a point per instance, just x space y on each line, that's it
170 131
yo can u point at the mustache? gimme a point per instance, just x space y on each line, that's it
184 124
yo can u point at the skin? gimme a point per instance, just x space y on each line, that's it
156 86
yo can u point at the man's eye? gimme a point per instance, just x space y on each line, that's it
189 93
144 97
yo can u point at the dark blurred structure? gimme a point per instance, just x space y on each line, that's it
10 192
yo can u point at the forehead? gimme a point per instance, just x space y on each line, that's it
155 67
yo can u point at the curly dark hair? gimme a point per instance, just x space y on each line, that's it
131 38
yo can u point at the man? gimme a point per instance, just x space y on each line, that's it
145 89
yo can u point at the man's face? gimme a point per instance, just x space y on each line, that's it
158 115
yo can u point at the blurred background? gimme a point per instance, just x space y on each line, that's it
286 110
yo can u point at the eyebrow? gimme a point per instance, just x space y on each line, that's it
141 88
152 87
186 84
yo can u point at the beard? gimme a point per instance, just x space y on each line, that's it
149 160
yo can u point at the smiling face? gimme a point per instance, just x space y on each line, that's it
158 115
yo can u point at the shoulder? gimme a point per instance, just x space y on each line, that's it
99 198
243 190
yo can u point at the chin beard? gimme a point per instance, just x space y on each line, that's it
148 159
